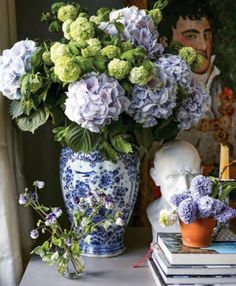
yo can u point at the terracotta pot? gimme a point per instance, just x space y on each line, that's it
198 233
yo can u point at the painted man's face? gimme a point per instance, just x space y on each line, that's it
196 34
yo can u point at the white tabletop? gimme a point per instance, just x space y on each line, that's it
116 271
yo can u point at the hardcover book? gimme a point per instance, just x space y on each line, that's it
219 252
160 260
160 282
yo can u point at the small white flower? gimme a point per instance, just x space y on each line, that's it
34 234
167 217
120 221
57 212
39 184
106 224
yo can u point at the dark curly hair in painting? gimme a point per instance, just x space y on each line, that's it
191 9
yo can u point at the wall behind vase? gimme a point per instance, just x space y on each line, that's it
41 153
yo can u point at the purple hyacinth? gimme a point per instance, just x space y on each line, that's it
187 211
155 101
200 186
178 198
95 101
226 214
176 68
50 219
206 206
193 107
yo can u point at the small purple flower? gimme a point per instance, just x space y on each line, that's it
109 202
187 211
69 242
200 186
50 219
34 234
226 214
57 212
23 199
178 198
34 196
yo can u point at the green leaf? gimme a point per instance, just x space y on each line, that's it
33 121
108 152
16 109
86 64
56 241
120 27
36 59
133 54
99 63
55 26
73 48
56 6
80 139
120 144
39 251
226 191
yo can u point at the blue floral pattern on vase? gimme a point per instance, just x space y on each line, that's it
82 173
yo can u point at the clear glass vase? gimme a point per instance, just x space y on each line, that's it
75 267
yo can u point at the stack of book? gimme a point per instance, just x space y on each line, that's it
172 263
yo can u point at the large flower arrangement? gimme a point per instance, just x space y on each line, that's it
105 83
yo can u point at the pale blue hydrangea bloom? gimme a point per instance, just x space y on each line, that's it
176 68
154 101
193 107
139 29
14 63
95 101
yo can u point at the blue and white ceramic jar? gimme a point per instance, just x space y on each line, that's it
82 173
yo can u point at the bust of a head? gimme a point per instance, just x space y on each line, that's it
174 166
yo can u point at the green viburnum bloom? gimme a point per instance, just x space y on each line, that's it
67 70
111 52
47 58
126 46
66 28
156 15
141 75
198 62
93 48
188 54
59 50
119 69
81 30
67 12
96 19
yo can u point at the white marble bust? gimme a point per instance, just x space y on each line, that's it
175 164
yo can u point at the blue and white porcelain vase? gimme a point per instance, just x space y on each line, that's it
82 173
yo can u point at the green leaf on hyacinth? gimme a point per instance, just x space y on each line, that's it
16 109
120 144
81 139
33 121
108 152
36 59
226 190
